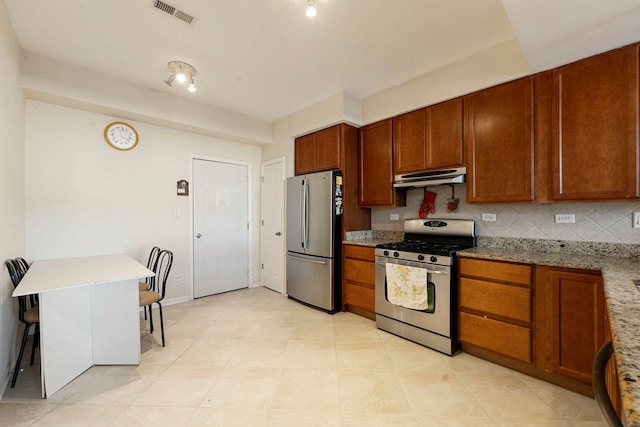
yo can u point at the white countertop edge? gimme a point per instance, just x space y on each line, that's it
65 273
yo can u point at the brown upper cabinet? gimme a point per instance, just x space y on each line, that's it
429 138
410 142
375 183
444 135
335 148
499 143
594 127
318 151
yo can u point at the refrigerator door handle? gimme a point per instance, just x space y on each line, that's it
301 213
307 260
305 214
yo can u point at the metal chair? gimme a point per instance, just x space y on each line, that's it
147 284
157 291
27 315
151 264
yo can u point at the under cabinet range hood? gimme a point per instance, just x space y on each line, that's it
431 178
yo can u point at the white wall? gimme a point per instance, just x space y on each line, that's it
337 108
496 65
85 198
53 81
11 190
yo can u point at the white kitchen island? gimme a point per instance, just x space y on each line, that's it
89 314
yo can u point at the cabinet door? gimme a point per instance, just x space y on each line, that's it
574 307
499 143
376 165
328 149
409 142
358 279
494 335
444 134
595 127
305 154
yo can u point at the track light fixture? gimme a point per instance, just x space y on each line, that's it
182 73
312 9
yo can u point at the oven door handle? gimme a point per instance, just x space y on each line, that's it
383 262
436 272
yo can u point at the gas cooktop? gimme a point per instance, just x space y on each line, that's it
419 246
443 237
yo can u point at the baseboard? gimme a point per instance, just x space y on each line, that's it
255 285
172 301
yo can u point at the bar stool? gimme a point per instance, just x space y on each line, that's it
156 293
28 315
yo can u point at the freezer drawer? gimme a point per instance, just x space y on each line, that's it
310 280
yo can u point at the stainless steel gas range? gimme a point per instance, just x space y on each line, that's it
415 283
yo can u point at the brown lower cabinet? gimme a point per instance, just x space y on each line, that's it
358 280
544 321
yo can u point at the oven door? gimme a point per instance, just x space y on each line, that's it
436 318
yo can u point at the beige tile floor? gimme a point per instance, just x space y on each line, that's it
254 358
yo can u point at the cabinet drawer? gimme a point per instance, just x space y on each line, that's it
504 338
359 271
359 252
494 270
360 296
495 298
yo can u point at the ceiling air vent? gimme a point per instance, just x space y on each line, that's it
174 11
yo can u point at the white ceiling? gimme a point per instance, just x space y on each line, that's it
266 59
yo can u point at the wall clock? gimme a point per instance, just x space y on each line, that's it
121 136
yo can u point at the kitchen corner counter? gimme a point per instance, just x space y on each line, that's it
621 296
371 238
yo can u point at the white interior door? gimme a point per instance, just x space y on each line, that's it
220 227
273 225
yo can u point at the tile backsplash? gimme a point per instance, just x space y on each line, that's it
596 222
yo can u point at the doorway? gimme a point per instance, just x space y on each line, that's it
220 226
272 231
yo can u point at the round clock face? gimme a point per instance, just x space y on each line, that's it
121 136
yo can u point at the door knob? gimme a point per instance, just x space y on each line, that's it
278 233
198 235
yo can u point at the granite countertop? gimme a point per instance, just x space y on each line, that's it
372 238
621 295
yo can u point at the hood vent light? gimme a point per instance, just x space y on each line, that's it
174 11
431 178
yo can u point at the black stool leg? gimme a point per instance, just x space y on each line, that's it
24 342
151 317
36 343
161 323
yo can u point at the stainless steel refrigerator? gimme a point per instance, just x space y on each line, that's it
314 213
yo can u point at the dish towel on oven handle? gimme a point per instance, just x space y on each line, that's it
409 287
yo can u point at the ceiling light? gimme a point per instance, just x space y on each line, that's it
311 8
192 87
181 72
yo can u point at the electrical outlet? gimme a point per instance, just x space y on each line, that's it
636 220
489 217
565 218
394 217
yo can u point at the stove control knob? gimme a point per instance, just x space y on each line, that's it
433 259
396 254
420 257
385 253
